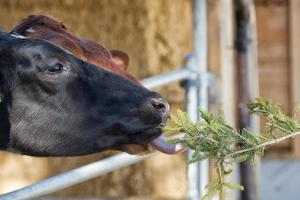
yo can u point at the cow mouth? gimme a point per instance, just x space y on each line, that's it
160 143
149 140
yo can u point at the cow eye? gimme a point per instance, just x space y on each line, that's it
56 68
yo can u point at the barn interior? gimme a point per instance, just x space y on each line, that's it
158 37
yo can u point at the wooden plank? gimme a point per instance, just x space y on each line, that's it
227 61
228 84
273 60
273 54
294 26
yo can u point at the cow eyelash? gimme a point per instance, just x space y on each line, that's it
56 68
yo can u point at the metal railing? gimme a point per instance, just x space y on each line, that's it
196 77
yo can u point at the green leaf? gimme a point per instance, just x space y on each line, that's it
176 140
234 186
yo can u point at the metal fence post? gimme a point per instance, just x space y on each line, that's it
197 96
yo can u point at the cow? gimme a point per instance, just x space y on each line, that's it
116 61
55 104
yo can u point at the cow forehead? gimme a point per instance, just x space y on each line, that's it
34 43
46 49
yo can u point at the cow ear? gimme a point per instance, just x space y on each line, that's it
120 58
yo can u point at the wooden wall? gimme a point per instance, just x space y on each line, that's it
278 56
278 60
276 78
273 58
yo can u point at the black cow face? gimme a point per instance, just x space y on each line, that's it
53 104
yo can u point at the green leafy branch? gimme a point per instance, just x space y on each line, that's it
213 138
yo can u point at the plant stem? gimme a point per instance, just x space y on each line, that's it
277 140
282 129
221 175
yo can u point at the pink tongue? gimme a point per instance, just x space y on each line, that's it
161 145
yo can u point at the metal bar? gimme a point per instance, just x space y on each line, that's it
167 78
197 96
193 175
200 37
74 176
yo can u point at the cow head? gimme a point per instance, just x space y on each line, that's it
54 104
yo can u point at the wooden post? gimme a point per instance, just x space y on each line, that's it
294 26
247 86
228 86
227 60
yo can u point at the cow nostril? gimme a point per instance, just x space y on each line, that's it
160 105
